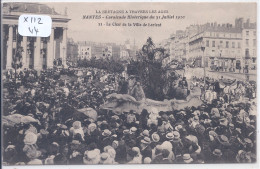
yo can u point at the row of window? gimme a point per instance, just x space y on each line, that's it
221 44
225 35
85 49
248 33
247 42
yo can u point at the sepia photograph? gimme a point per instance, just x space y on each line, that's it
112 83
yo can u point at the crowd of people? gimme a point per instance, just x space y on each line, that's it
218 131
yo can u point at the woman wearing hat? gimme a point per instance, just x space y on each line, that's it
30 146
76 128
92 157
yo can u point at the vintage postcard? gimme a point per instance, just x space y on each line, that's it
88 83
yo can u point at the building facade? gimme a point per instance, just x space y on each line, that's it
38 53
249 46
219 47
88 50
222 47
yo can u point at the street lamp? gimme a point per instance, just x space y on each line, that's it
203 49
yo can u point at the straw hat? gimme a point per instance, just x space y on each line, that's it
146 140
155 137
187 158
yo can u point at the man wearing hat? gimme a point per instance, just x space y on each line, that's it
145 147
176 142
155 140
105 139
216 156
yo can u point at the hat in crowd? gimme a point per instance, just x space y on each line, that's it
75 142
145 133
107 148
196 118
196 113
217 152
146 140
30 138
182 113
178 127
9 148
115 117
106 132
115 143
35 162
147 160
176 135
215 112
213 134
187 158
55 144
192 138
165 117
200 129
49 160
44 132
207 121
62 126
33 154
136 149
92 127
248 142
158 147
223 140
155 137
111 152
170 136
126 131
104 156
231 125
31 129
166 145
92 154
223 121
133 129
243 156
76 124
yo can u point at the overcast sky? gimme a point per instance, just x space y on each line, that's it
195 13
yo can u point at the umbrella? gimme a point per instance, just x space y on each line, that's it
13 119
28 119
90 112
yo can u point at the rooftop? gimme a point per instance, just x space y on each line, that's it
28 8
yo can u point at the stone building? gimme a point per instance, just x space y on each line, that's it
38 52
